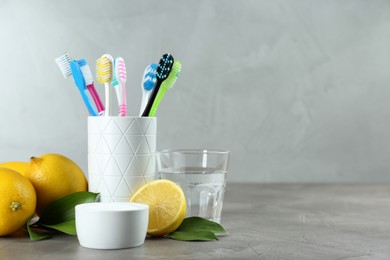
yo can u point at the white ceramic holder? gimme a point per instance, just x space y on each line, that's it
121 155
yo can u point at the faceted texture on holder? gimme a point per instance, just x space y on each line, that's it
121 155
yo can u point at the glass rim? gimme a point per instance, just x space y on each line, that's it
194 151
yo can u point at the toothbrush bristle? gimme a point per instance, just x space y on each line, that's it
121 69
149 80
87 74
176 68
103 70
63 63
150 68
164 67
149 83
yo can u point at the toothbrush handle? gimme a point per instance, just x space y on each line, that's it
145 97
121 99
88 104
123 107
122 110
107 98
96 98
151 99
158 99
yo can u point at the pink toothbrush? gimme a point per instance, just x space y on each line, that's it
119 84
91 88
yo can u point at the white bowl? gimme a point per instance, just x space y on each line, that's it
113 225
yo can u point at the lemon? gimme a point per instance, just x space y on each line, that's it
17 201
54 176
167 205
20 167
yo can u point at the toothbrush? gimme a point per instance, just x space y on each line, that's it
119 82
91 88
63 63
148 81
80 83
167 84
104 69
162 72
70 67
122 75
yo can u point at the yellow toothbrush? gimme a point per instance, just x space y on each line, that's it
104 70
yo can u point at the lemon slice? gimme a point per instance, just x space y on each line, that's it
167 205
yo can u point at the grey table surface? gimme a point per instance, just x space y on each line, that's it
265 221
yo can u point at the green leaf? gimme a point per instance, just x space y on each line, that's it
195 224
193 235
34 236
67 227
63 209
198 229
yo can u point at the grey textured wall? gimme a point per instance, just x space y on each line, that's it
297 90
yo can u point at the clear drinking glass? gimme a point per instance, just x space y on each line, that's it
202 176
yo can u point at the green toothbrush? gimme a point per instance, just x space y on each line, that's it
165 85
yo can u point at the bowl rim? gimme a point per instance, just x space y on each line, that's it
111 207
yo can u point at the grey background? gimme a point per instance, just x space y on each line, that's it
296 90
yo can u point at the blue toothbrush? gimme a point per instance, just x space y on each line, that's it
80 83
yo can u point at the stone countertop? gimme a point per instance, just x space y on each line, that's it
265 221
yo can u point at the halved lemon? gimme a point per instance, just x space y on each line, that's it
167 205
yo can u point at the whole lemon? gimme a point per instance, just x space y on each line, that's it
54 176
20 167
17 201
